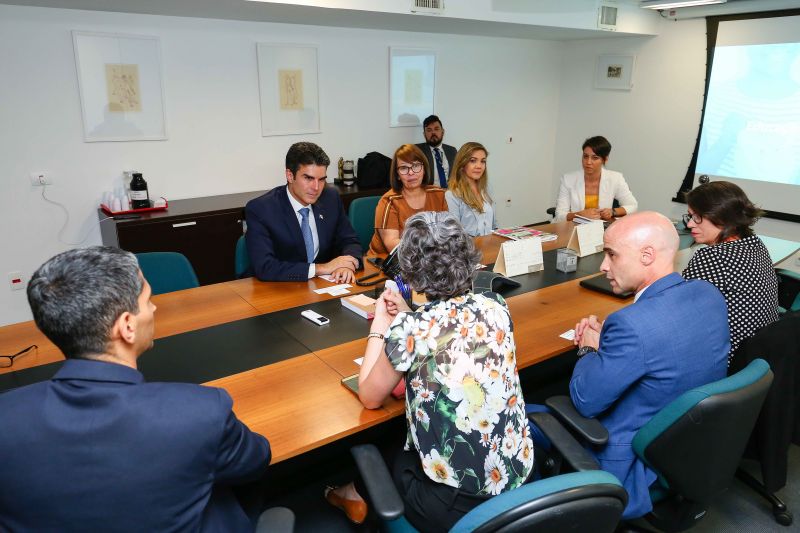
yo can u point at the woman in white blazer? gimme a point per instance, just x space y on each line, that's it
591 192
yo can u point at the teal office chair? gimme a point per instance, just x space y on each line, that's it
362 217
241 259
788 289
694 444
167 271
579 501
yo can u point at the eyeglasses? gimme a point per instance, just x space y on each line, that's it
697 219
8 360
405 169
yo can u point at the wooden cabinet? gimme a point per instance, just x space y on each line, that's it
205 230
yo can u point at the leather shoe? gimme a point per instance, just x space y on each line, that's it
356 510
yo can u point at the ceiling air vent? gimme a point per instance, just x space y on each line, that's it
430 7
606 16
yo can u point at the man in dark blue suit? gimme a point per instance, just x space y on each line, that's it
98 449
301 230
440 156
674 337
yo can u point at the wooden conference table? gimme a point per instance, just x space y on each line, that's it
299 403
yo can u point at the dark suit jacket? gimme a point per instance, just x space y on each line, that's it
98 449
674 338
450 154
275 243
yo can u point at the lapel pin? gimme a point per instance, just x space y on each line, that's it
321 217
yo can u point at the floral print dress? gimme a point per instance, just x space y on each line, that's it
464 405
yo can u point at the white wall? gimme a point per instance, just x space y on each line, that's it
653 127
488 88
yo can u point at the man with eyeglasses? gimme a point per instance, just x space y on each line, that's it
300 230
98 449
440 156
674 337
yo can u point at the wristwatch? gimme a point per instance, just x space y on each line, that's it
583 350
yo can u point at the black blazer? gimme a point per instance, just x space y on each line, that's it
449 153
274 241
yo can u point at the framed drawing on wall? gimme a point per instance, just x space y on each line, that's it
412 84
288 89
614 72
119 80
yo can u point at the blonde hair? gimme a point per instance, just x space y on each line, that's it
459 184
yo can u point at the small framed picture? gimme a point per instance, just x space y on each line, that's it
614 72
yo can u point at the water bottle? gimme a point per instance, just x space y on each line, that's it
139 196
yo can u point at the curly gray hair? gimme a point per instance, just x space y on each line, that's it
437 257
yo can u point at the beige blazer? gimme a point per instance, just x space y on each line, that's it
571 196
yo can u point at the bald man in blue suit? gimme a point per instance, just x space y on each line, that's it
674 337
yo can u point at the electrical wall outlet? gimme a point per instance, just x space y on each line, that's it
16 281
40 179
509 139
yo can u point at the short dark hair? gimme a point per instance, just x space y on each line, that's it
599 145
436 256
430 120
77 296
305 153
410 153
726 205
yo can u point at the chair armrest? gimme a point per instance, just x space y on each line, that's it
569 448
276 520
383 495
588 429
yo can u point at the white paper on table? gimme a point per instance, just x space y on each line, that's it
569 335
358 361
334 290
520 257
326 277
338 291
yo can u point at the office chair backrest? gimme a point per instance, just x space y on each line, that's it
788 289
696 442
167 271
241 258
362 217
579 501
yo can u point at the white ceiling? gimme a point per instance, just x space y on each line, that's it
318 16
284 12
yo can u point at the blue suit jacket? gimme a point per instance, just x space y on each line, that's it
674 338
275 243
98 449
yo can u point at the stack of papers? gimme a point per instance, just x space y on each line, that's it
583 220
360 304
517 233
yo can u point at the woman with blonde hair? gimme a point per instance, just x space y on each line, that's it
467 196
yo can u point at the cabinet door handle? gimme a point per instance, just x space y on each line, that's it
182 224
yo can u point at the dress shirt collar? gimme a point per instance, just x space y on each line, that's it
92 370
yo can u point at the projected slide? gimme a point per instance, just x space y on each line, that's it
751 127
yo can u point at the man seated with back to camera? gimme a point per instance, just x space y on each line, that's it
301 230
674 337
98 449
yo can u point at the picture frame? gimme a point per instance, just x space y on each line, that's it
120 86
288 88
412 85
614 72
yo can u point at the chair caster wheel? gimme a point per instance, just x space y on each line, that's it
784 518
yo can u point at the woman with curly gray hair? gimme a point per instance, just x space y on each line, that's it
468 437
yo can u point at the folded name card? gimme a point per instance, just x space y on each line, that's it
519 257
